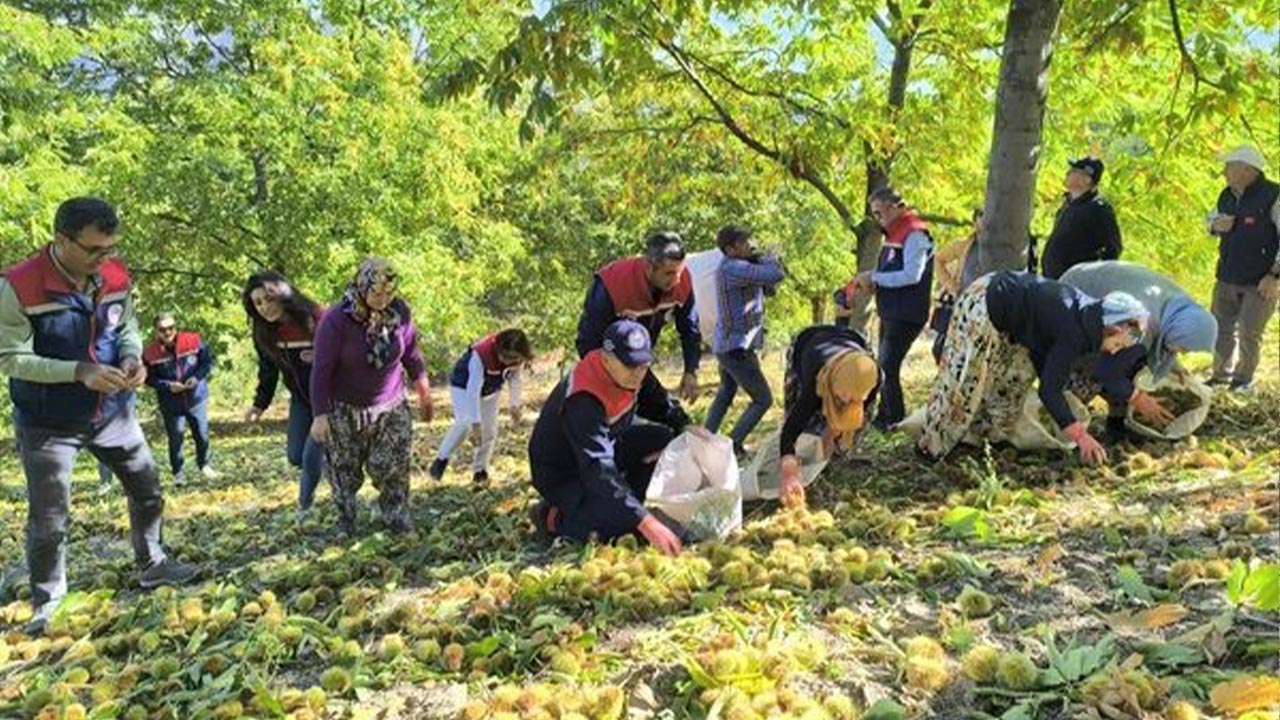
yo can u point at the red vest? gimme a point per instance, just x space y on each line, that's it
907 223
591 376
487 349
183 345
631 293
38 283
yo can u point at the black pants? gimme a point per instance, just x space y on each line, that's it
895 341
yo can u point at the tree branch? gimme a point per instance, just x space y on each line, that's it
150 270
782 97
1186 54
794 165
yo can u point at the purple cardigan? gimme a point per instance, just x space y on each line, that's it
342 373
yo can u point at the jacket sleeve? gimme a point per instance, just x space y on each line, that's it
1110 245
740 273
597 312
916 255
414 366
653 402
268 378
690 335
154 381
328 346
18 358
130 343
204 362
593 451
1115 372
1054 375
806 406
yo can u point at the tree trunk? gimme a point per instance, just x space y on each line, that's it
868 231
1015 141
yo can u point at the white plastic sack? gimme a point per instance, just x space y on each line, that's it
1027 433
696 484
702 266
1182 425
762 479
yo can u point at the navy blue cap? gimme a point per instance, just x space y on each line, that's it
1090 166
628 341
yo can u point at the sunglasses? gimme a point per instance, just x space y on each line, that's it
166 328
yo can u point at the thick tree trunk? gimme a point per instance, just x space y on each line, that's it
1015 141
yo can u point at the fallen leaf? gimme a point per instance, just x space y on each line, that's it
1134 623
1048 557
1247 693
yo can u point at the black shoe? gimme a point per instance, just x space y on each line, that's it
481 477
436 471
168 572
1218 381
540 516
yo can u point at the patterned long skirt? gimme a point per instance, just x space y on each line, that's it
376 441
982 381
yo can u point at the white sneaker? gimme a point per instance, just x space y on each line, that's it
180 477
209 473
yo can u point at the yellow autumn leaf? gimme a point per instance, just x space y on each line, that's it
1249 693
1150 619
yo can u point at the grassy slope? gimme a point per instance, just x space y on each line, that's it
797 610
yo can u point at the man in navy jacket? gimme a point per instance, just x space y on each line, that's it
178 367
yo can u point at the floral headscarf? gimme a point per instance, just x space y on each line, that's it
380 325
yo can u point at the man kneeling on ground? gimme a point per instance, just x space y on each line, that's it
589 463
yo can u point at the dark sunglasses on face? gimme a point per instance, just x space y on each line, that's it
166 328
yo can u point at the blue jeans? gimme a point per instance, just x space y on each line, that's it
895 341
303 451
740 368
175 426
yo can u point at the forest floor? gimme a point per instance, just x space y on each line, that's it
995 584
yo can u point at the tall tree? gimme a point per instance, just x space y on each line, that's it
1016 134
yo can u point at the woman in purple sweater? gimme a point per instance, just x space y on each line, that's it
358 394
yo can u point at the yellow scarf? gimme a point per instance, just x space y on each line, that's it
844 383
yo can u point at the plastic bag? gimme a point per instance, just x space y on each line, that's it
762 480
703 266
1035 430
1182 425
1030 430
696 484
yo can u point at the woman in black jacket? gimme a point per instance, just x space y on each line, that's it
1009 330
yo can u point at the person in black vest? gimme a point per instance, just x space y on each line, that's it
902 282
1085 228
588 461
1247 223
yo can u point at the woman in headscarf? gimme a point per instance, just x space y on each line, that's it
1009 330
1177 325
829 387
284 323
365 346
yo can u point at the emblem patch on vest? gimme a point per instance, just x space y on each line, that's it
114 314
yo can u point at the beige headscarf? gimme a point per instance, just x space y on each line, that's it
844 383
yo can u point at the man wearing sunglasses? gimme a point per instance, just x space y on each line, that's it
178 367
69 343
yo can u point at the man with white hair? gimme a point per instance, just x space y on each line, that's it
1247 223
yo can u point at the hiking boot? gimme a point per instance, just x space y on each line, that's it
436 471
35 627
481 477
168 572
